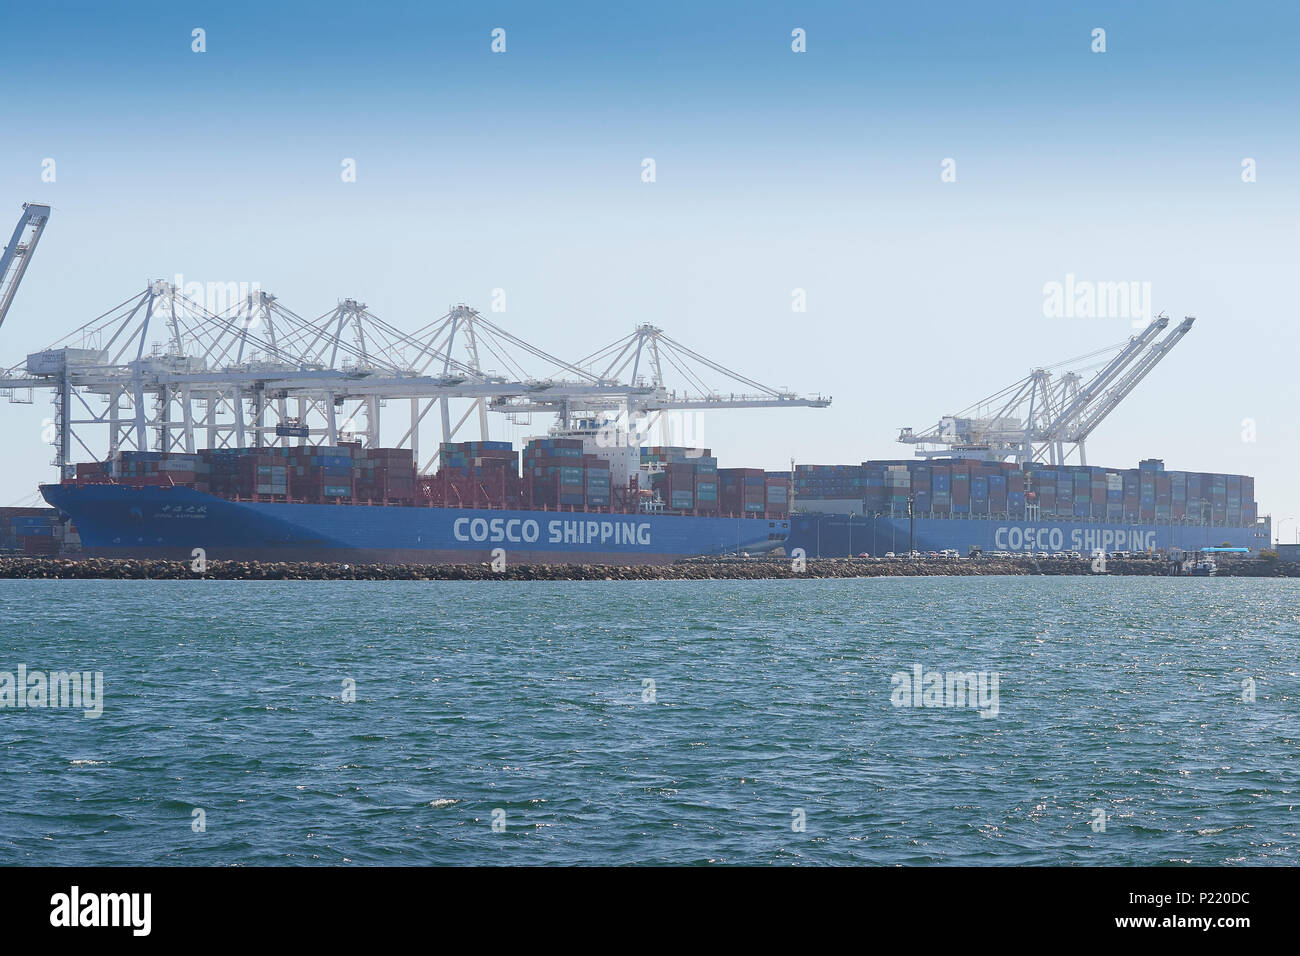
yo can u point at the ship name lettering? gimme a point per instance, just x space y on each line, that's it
599 532
497 530
1086 541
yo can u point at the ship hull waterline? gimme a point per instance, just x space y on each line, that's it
839 535
118 521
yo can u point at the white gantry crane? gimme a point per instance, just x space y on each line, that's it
160 372
18 253
1048 415
663 374
631 382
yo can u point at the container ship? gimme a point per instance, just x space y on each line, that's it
959 504
575 501
574 496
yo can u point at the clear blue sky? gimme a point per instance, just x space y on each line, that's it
775 170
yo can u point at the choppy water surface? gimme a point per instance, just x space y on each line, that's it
1125 696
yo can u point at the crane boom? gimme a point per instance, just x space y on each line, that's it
1037 417
16 255
1094 416
1078 407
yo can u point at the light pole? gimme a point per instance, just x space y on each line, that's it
851 514
1278 529
911 527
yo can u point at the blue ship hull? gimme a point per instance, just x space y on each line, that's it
838 535
121 521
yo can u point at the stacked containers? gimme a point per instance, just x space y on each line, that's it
475 473
570 488
686 479
961 487
322 473
706 493
477 454
676 485
1082 499
830 481
706 485
941 489
271 478
1147 492
755 495
1178 495
874 499
1195 499
596 481
1044 486
1164 490
922 488
1015 494
484 474
1064 493
1114 496
553 468
654 456
153 468
35 531
979 492
384 475
898 487
1132 494
777 488
997 484
742 491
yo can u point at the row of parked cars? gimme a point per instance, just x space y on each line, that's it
1061 554
915 555
1045 555
1032 554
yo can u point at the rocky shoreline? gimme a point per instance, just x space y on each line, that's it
695 569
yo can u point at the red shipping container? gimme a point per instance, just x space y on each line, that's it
44 545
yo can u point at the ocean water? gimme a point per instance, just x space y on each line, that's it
769 735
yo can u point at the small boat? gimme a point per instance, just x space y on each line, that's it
1204 568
